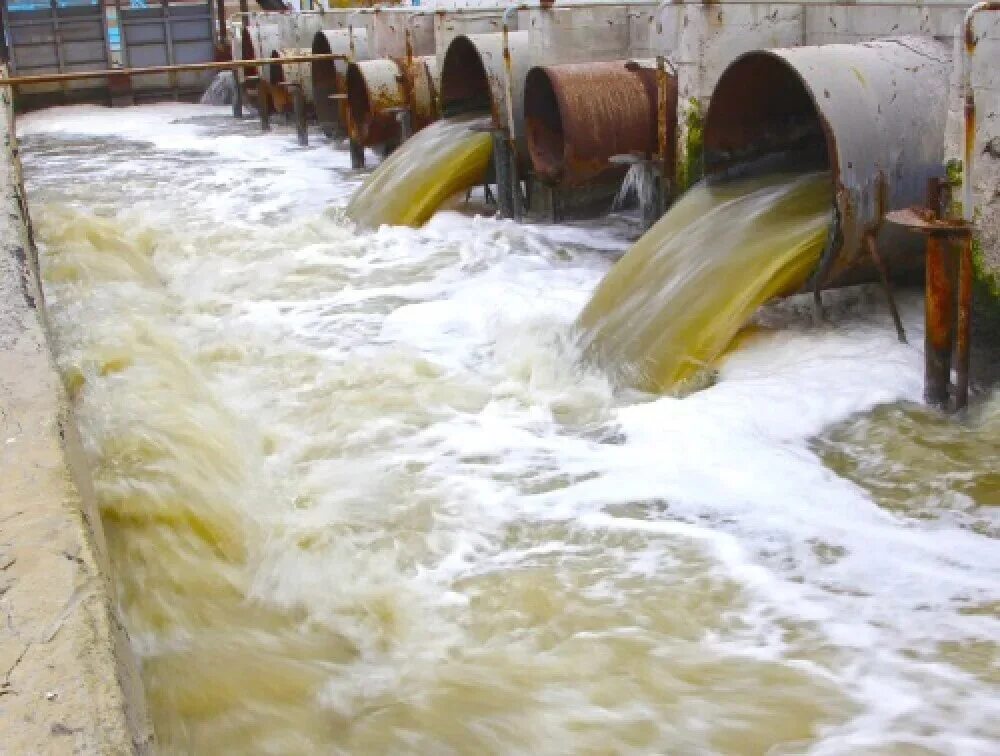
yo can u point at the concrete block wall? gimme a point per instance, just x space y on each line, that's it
985 79
390 34
571 35
847 24
68 680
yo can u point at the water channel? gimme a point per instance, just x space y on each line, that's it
363 496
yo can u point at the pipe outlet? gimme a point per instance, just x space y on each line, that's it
329 77
873 114
473 79
279 73
578 115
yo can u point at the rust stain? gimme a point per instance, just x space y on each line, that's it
578 115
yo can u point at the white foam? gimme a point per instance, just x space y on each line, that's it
433 427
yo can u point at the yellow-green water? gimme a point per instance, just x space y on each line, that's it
362 496
414 181
670 307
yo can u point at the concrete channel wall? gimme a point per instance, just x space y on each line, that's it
68 680
984 75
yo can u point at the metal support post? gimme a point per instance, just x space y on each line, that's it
264 105
405 119
501 169
963 324
299 106
237 94
939 318
357 155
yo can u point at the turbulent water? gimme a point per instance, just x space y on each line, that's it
362 496
414 181
221 91
676 300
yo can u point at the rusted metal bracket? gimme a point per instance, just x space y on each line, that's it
834 241
871 243
948 303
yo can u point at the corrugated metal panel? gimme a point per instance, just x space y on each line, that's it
57 39
167 34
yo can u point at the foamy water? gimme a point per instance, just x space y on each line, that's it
363 497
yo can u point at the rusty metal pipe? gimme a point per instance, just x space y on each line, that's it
939 322
872 114
281 72
329 78
578 115
374 91
378 89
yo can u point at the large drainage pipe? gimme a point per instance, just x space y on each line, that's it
578 115
474 79
872 114
329 77
295 74
389 99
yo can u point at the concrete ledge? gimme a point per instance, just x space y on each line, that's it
68 680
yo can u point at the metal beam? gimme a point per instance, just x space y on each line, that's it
227 65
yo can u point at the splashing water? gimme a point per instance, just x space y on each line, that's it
674 302
362 496
221 90
414 181
639 184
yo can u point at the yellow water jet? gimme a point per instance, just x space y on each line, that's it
447 157
679 296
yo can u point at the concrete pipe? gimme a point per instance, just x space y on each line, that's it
298 74
329 77
377 91
299 29
578 115
260 37
472 79
873 114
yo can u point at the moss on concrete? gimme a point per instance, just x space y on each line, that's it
690 164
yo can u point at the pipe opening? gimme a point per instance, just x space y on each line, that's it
358 100
543 122
465 88
246 50
325 79
763 116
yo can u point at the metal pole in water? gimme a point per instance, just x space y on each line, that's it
963 325
939 310
264 105
501 167
237 94
299 105
357 155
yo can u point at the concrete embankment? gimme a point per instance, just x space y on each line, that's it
68 680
